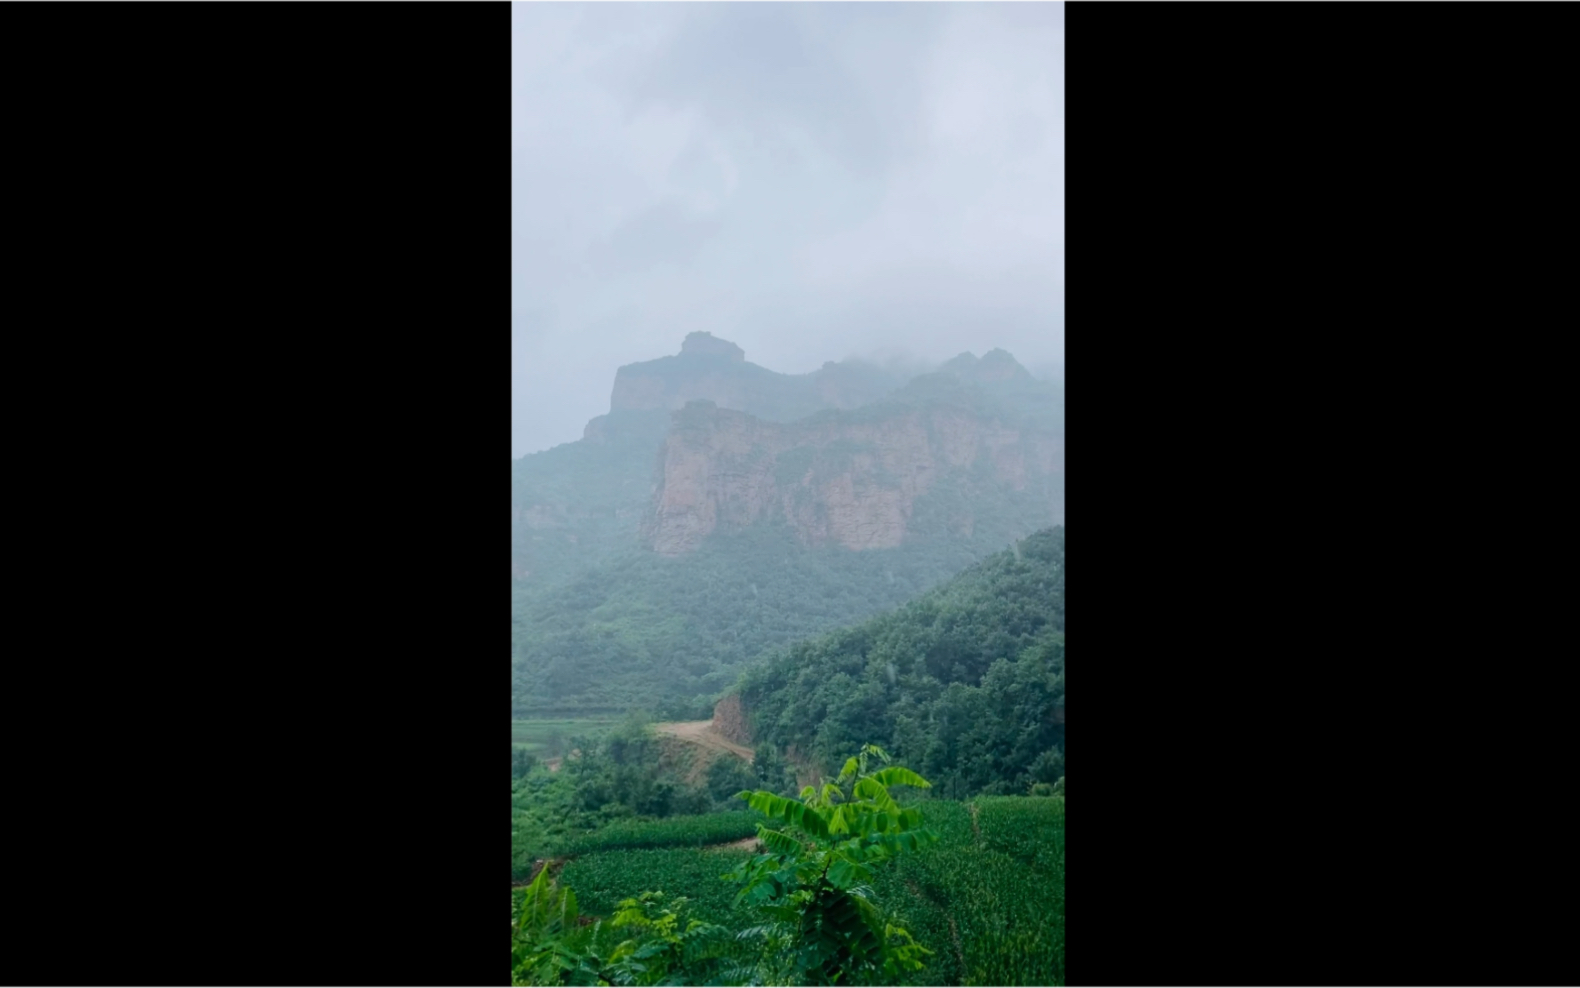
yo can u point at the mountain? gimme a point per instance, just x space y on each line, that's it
964 684
708 368
859 478
574 505
720 509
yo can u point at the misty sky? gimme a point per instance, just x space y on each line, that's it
813 181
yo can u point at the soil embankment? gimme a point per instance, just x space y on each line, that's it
704 744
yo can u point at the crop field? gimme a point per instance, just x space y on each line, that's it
622 835
547 738
676 831
602 880
987 899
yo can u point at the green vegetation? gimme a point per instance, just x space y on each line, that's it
673 634
604 879
547 738
946 653
983 895
1001 894
819 921
966 682
623 789
577 505
680 831
643 943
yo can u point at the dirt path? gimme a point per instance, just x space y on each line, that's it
744 844
954 931
701 732
555 865
704 745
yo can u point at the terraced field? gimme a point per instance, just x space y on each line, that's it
547 738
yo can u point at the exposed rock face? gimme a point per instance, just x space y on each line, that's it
729 720
849 479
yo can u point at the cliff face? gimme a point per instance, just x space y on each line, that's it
849 479
729 720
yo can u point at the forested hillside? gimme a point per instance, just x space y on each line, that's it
575 505
672 634
964 684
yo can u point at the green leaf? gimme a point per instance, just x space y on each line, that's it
844 873
895 775
777 842
567 911
836 821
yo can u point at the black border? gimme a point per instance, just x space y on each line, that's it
244 741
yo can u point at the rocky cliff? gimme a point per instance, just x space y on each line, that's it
711 369
854 479
729 720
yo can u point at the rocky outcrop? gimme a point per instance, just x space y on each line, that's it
711 369
994 366
707 343
729 720
849 479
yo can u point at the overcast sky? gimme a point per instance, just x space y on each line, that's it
814 181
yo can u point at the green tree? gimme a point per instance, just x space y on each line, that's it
813 883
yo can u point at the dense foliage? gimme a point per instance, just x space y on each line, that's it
810 887
966 683
987 900
989 897
672 634
623 790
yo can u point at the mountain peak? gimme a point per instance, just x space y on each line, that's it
707 343
995 365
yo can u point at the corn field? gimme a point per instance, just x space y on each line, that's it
988 899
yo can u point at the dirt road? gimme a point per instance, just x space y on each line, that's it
701 732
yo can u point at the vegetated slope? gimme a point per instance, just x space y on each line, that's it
575 505
964 684
671 634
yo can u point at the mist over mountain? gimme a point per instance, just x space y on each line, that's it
721 508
